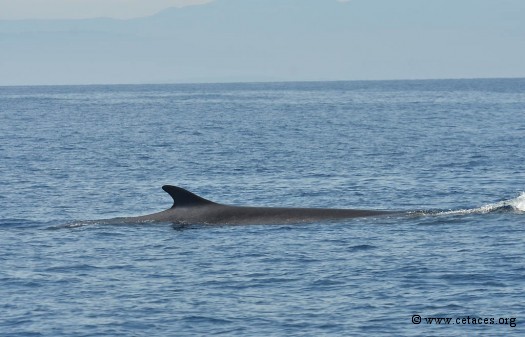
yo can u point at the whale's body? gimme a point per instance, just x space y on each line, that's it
189 208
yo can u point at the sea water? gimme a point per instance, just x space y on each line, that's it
448 153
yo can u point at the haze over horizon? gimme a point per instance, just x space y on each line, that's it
176 41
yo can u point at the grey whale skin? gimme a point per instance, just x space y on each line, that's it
189 208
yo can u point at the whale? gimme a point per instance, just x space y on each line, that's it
191 209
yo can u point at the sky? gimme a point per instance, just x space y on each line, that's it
176 41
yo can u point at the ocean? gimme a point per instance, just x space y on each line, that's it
449 154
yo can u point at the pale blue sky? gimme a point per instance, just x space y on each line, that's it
258 40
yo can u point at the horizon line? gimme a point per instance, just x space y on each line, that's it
259 82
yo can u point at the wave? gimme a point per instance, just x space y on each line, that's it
516 205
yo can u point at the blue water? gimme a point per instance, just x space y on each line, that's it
449 152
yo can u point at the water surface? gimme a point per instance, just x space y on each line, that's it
451 149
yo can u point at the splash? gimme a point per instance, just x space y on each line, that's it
516 205
114 221
76 224
520 202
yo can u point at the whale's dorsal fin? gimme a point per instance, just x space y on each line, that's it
183 198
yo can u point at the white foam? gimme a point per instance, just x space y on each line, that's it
515 205
519 202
